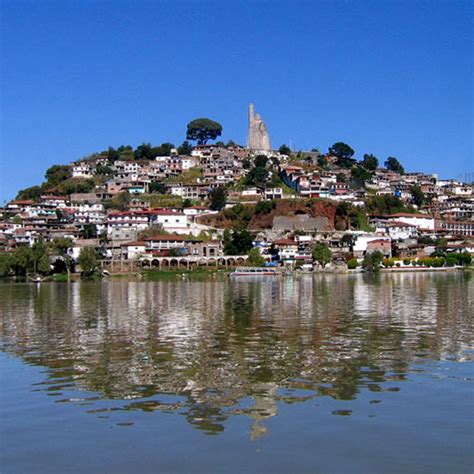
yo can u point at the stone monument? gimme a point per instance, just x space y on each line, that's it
258 138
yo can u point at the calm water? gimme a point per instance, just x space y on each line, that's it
316 374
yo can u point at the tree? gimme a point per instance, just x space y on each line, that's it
322 161
144 152
322 254
417 196
242 241
372 261
343 153
341 178
57 174
156 187
185 148
104 170
88 261
112 154
227 244
394 165
61 246
359 176
370 162
218 198
203 129
260 161
89 231
34 193
256 176
255 258
163 150
39 257
264 207
285 150
125 153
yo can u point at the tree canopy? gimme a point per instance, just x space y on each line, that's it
203 129
370 162
393 164
343 153
322 254
218 198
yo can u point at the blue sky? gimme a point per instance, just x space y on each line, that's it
392 78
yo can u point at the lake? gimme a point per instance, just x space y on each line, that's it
324 373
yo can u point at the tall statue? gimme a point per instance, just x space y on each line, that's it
258 138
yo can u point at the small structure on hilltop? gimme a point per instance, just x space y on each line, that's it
258 138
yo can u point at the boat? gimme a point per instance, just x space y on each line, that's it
35 279
253 271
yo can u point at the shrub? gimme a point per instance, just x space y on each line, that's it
406 261
352 264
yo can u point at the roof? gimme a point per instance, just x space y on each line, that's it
137 243
172 238
284 242
378 241
407 214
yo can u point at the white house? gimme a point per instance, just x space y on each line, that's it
420 221
171 221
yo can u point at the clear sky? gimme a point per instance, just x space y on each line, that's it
392 78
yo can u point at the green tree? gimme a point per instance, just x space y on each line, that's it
156 187
163 150
352 264
39 257
417 195
185 148
34 193
285 150
218 198
88 261
56 174
61 246
370 162
394 165
112 154
203 129
257 176
255 258
102 170
125 153
343 153
144 152
89 231
227 243
242 241
260 161
359 176
264 207
372 261
322 254
22 261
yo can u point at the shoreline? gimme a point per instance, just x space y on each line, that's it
150 275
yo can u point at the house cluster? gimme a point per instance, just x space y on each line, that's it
446 218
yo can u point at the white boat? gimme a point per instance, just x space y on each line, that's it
253 271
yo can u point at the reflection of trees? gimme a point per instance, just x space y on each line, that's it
213 344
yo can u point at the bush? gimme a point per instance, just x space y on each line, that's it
407 261
388 262
264 207
352 264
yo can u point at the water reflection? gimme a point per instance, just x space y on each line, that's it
209 350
